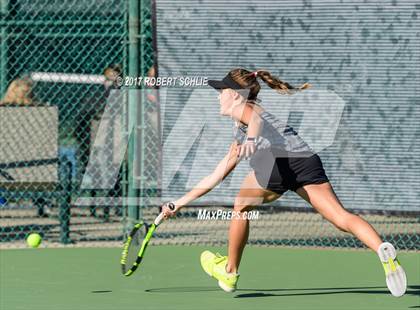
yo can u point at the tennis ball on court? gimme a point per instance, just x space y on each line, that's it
34 240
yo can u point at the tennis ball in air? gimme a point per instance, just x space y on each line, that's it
34 240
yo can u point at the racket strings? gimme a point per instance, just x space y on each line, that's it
134 247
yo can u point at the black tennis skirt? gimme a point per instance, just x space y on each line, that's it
280 174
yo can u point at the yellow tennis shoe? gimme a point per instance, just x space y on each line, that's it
215 266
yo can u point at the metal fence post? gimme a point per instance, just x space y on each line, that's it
3 48
133 103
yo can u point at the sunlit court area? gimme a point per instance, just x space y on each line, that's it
175 155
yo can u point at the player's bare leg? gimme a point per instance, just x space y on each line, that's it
324 200
224 268
250 195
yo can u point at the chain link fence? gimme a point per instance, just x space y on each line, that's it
363 55
60 63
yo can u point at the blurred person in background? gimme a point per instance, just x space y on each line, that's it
92 111
19 93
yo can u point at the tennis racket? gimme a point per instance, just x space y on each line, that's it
136 244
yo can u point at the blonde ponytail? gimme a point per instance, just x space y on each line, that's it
279 85
248 80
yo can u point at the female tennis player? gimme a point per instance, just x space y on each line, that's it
280 161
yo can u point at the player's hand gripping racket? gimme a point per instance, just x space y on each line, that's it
136 243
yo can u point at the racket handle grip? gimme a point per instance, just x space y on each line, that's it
159 219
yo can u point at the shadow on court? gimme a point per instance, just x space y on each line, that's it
183 289
412 290
101 292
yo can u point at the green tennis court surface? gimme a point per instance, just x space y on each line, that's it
171 278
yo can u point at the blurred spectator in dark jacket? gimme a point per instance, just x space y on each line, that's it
91 112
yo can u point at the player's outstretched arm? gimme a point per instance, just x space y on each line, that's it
225 166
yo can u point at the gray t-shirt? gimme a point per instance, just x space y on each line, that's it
275 136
